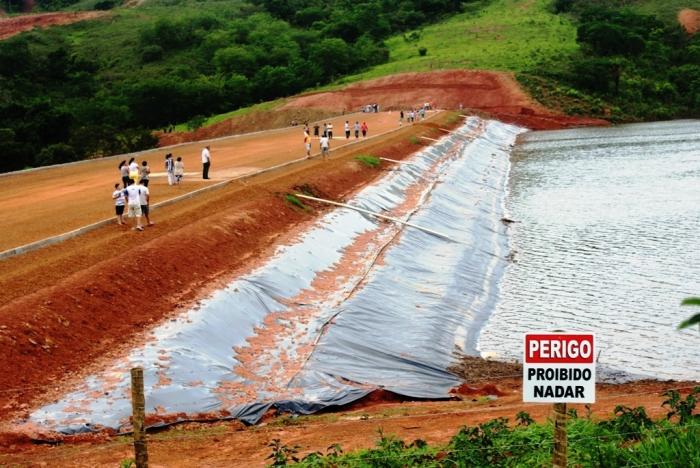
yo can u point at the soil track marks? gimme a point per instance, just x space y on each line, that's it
14 25
690 20
496 93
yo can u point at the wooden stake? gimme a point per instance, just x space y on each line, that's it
138 408
560 440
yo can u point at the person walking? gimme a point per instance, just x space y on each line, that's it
401 118
206 162
357 129
124 173
307 144
119 202
364 129
316 130
133 201
325 147
179 170
170 168
145 171
347 130
330 130
144 201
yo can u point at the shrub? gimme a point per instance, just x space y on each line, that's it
56 154
151 53
369 160
422 51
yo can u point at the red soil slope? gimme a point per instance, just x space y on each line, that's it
690 20
497 94
18 24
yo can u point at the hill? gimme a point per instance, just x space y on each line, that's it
101 87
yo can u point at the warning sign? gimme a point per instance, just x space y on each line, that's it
559 368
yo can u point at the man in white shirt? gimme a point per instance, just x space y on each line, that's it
144 199
325 145
206 162
133 201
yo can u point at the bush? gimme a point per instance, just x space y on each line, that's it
151 53
56 154
422 51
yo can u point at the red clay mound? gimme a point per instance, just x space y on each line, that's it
690 20
495 93
17 24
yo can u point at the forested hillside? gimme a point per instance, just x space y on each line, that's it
631 64
99 87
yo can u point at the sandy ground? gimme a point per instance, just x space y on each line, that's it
39 204
232 444
690 20
11 26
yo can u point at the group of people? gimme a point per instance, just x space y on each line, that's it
135 197
412 115
325 135
370 108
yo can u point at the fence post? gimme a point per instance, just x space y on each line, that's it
560 441
138 415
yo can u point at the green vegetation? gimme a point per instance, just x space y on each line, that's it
369 160
630 66
630 438
695 319
509 35
294 201
99 87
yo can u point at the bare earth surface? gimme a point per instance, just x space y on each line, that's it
690 20
232 444
39 204
10 26
496 93
69 305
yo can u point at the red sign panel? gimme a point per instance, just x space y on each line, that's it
552 348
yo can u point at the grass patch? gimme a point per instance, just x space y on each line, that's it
295 202
508 35
414 140
215 119
369 160
630 438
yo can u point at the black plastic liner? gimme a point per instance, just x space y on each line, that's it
354 305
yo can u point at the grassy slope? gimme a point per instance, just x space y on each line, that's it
497 35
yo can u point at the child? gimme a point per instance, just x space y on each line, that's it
179 170
119 202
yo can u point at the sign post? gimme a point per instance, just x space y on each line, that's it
559 368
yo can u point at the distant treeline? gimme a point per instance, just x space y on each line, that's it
643 68
58 105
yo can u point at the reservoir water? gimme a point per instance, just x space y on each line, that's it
606 239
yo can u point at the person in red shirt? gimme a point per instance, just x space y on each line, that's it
364 129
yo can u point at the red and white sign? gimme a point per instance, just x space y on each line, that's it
559 368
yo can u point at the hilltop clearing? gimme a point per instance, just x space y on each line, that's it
14 25
690 20
496 94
